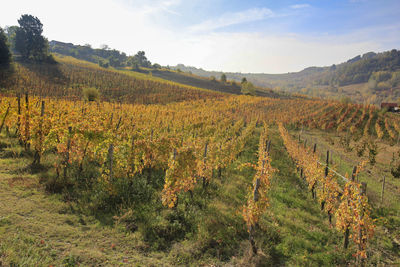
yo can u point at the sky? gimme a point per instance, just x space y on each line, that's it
223 35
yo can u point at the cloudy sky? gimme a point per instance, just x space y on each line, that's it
228 35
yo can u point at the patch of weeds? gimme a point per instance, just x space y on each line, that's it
70 261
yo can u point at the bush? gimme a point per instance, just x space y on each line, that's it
90 94
248 88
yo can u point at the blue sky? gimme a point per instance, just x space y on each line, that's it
247 36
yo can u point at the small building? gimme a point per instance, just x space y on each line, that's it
392 107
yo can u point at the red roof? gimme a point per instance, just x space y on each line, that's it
389 105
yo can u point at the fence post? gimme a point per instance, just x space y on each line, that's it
19 117
354 173
325 175
204 162
110 160
251 229
383 189
40 132
363 192
347 232
27 127
67 152
5 116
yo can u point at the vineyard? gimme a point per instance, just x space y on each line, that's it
70 76
176 166
160 169
113 158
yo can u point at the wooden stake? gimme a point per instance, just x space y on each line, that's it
5 116
18 130
67 152
354 173
383 189
110 160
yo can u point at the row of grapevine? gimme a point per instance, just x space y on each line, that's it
351 210
257 199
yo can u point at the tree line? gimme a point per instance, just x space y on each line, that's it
27 43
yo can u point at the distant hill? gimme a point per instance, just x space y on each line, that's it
377 74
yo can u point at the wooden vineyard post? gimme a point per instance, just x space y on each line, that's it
315 148
5 116
133 153
251 228
149 170
353 175
347 231
268 146
174 158
383 189
18 129
360 234
67 152
40 133
325 175
27 130
204 162
110 160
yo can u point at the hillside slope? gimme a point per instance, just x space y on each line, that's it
380 70
70 76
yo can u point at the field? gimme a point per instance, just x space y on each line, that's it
158 173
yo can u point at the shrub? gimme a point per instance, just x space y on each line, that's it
90 94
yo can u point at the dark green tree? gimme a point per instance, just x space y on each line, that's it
142 60
29 41
5 55
11 32
223 78
244 80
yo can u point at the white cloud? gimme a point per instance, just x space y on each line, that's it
228 19
299 6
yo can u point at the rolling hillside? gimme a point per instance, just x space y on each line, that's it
371 78
98 56
71 76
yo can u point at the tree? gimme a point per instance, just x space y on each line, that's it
138 60
11 32
103 63
5 55
104 47
248 88
223 78
142 59
133 62
29 41
244 80
156 66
